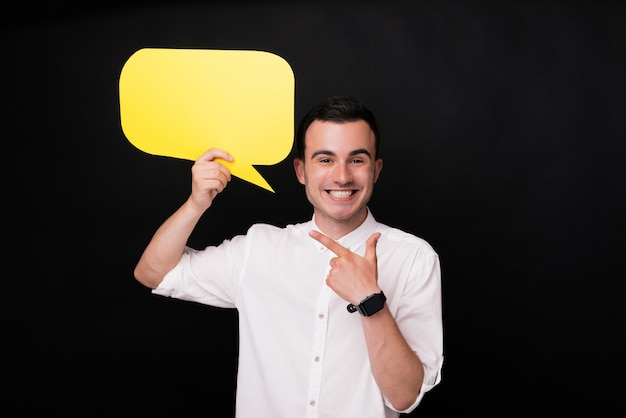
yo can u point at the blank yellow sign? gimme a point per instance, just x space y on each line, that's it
181 102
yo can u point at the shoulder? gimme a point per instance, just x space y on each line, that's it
269 230
396 237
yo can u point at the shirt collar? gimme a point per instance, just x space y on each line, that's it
353 240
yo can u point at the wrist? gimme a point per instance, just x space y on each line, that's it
370 305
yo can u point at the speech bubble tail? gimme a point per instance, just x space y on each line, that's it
249 174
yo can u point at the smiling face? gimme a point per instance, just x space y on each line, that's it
338 171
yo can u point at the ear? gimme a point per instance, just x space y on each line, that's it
298 166
378 169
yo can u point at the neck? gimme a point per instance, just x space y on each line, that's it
337 228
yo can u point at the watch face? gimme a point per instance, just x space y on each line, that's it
372 304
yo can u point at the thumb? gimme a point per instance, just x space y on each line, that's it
370 246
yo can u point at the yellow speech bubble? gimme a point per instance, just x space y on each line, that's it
181 102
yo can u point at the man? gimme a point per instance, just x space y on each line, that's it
303 349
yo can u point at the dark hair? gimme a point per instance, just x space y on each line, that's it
337 109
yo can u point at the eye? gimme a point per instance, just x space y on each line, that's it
324 160
357 161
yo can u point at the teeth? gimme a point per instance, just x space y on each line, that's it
340 193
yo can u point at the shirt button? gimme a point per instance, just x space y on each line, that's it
320 316
317 359
312 402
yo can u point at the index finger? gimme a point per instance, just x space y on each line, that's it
214 153
329 243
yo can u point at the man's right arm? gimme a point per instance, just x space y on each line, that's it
209 177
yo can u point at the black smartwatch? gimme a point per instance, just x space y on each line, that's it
370 305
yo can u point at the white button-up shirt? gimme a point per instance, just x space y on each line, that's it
301 353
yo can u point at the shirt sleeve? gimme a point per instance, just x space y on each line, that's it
209 276
419 317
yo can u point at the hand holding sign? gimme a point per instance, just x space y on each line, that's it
181 102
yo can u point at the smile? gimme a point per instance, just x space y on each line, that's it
340 194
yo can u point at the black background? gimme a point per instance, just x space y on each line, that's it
503 138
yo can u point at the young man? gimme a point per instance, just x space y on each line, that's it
339 316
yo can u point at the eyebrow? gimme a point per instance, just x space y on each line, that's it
352 153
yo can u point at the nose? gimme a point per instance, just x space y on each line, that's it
342 174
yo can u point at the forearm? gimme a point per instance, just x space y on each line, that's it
398 371
167 245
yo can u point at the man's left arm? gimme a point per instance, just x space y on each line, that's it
398 371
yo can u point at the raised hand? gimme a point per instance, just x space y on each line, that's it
209 177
